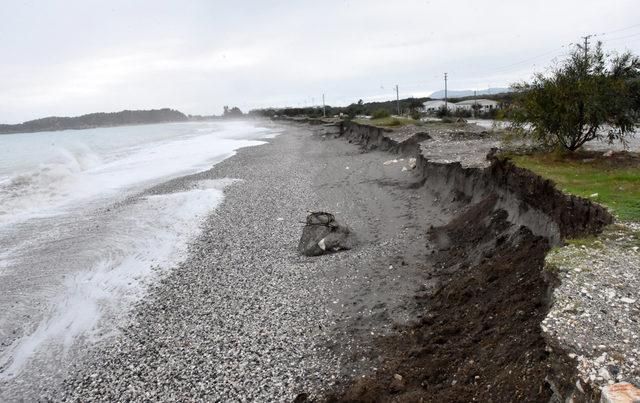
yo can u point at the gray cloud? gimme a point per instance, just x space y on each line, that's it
80 56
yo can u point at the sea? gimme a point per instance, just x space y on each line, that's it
83 233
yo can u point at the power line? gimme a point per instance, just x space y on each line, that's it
556 52
622 37
621 29
531 58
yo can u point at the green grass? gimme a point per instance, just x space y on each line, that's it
615 180
388 122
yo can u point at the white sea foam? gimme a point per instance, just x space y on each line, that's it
69 171
141 239
62 195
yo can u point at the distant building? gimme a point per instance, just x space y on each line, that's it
435 105
483 105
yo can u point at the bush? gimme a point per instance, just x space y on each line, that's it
462 113
442 112
587 98
415 114
380 114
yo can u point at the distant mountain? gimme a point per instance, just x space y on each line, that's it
99 119
468 93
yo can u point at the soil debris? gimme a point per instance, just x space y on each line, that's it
323 234
478 338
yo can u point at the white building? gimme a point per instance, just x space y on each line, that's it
435 105
483 105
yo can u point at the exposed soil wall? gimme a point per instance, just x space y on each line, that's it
478 337
555 214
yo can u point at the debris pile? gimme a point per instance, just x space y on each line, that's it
322 234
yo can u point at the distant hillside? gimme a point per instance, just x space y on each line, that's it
468 93
99 119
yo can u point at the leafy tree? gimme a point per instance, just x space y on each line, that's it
590 96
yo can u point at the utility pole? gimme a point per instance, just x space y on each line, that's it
445 92
475 102
398 99
324 108
586 47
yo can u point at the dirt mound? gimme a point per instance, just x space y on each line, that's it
478 337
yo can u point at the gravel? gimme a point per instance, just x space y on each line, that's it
239 319
245 317
596 307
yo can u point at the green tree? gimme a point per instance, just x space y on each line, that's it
590 96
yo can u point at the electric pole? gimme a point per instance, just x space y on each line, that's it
475 102
445 92
398 99
586 47
324 108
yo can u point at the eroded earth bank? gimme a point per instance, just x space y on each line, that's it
476 334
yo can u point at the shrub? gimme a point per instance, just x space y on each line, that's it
415 114
380 114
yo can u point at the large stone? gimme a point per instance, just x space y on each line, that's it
622 392
322 234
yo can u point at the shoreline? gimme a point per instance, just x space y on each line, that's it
271 324
78 290
246 317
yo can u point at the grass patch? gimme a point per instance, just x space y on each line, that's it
590 242
388 122
611 181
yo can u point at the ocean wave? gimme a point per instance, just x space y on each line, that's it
48 183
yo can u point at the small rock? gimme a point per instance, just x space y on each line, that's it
397 384
604 373
322 245
627 300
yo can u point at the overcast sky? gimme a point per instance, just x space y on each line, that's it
69 57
